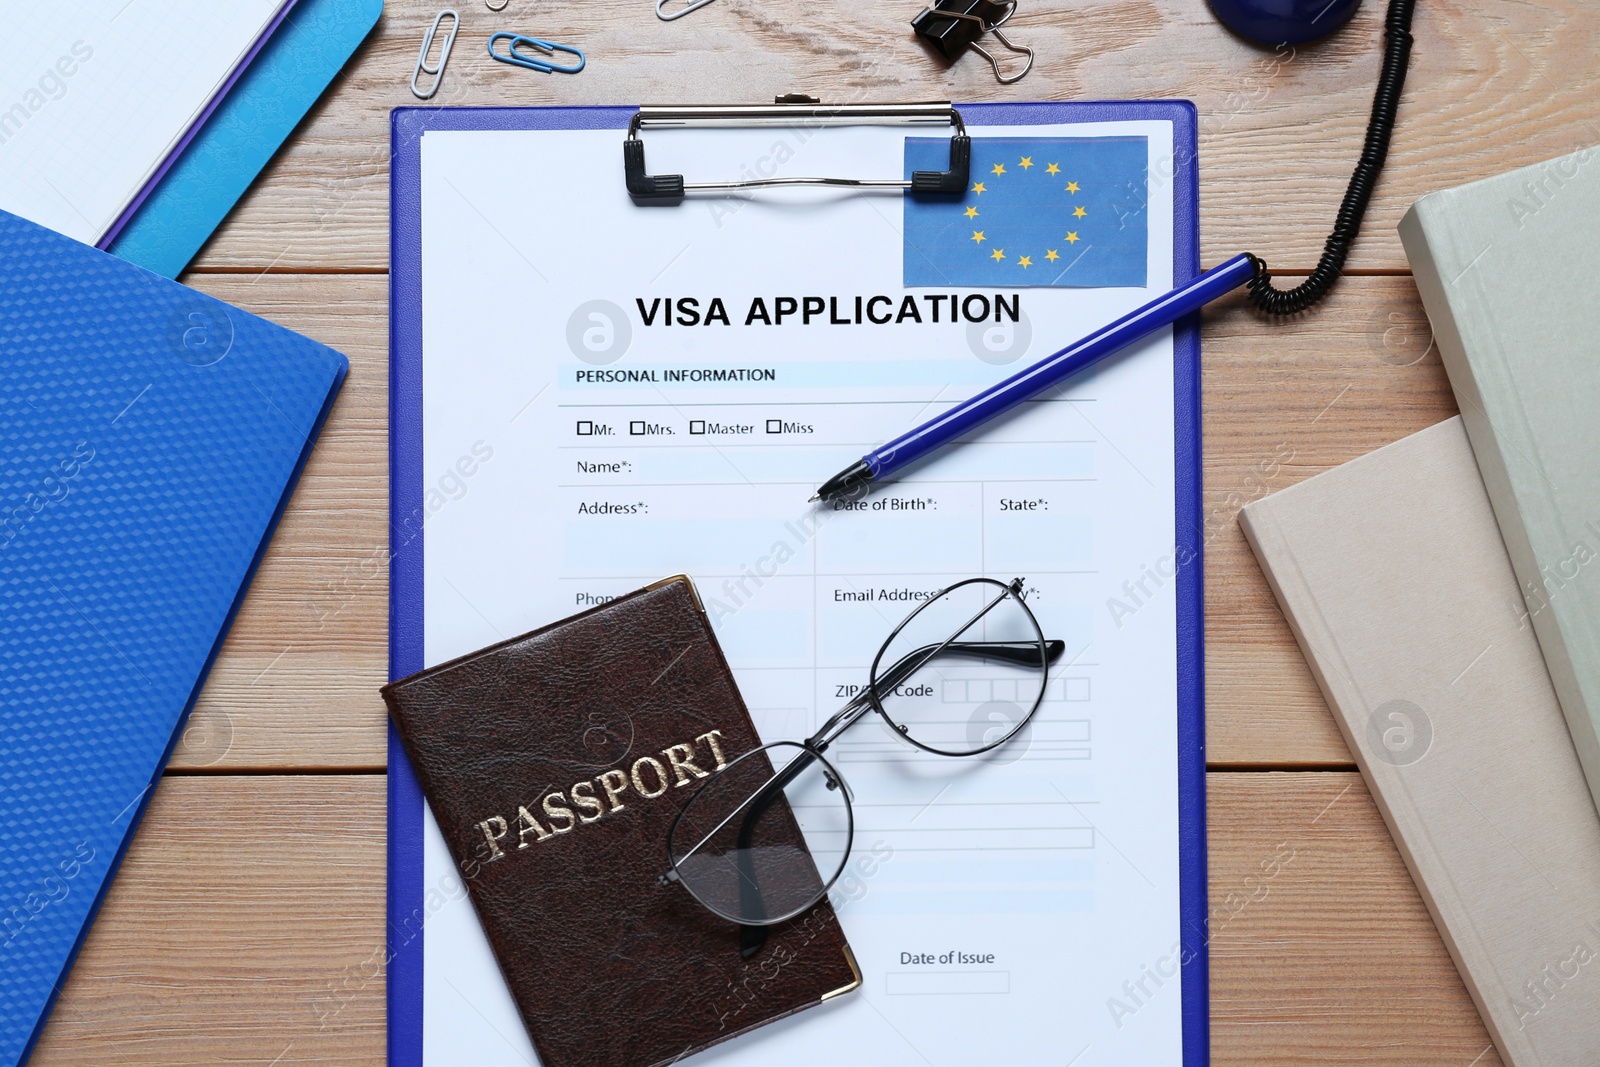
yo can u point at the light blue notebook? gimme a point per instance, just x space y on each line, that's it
259 113
152 437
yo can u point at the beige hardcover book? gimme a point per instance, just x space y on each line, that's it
1508 271
1393 576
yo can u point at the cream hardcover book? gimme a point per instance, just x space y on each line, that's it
1507 268
1393 576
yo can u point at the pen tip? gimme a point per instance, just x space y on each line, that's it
814 498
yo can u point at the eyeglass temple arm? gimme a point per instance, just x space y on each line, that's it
1021 653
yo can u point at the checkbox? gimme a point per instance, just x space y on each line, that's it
774 425
585 428
636 428
697 425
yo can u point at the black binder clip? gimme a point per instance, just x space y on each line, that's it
955 25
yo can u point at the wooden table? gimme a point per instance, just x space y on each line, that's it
247 924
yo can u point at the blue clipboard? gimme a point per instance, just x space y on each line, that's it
406 904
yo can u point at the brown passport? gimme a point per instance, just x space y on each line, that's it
554 764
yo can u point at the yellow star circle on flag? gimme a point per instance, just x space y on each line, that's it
972 212
1027 161
998 254
977 187
1078 211
1051 255
1072 238
998 168
1024 261
977 235
1072 187
1052 169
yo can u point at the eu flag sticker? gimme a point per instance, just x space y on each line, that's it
1039 211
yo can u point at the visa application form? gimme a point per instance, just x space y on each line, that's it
615 393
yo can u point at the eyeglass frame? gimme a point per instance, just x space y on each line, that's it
869 699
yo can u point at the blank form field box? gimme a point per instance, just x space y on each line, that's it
636 428
1065 730
585 428
697 426
947 983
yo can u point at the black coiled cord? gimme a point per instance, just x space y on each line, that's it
1396 55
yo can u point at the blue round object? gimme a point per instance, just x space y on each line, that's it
1279 22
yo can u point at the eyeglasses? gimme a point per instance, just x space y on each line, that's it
961 676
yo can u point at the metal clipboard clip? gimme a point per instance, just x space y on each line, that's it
795 111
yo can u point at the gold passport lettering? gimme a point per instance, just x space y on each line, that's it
559 811
649 777
661 777
526 823
584 800
615 783
494 828
682 759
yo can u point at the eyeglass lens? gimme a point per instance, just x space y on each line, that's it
737 845
964 672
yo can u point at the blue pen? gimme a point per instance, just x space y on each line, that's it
909 447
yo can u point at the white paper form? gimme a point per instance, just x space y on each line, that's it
1001 908
94 95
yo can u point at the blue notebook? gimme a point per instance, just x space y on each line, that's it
260 111
153 435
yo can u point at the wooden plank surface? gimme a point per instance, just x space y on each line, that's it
1322 951
1494 84
296 683
247 925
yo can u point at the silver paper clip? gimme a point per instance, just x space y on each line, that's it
521 59
437 70
695 6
